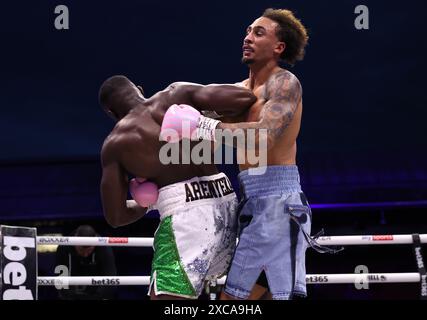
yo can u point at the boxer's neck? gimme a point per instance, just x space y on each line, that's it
259 74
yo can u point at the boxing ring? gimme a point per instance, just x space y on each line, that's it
355 240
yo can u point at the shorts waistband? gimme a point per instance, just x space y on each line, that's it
275 180
196 191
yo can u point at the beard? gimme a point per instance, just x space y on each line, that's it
247 61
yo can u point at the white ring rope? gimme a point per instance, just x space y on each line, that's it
148 242
310 278
96 241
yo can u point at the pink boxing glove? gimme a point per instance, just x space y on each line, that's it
145 193
183 121
180 121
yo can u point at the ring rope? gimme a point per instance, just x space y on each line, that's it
355 278
310 278
148 242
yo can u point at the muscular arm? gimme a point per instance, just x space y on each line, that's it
283 95
225 99
118 211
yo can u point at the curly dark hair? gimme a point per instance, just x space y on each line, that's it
291 31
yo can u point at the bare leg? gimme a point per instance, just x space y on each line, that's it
258 293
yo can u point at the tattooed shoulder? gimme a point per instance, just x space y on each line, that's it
283 94
283 86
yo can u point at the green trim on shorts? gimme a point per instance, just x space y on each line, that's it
170 274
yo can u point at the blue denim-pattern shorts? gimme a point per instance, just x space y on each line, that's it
274 222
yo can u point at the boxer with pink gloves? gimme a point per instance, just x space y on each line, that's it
191 198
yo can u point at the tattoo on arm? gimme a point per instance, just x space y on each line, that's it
283 93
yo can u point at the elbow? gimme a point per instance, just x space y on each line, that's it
247 101
242 104
112 220
252 99
248 98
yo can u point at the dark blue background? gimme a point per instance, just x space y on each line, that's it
362 141
364 91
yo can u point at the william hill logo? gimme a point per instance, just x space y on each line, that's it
377 278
